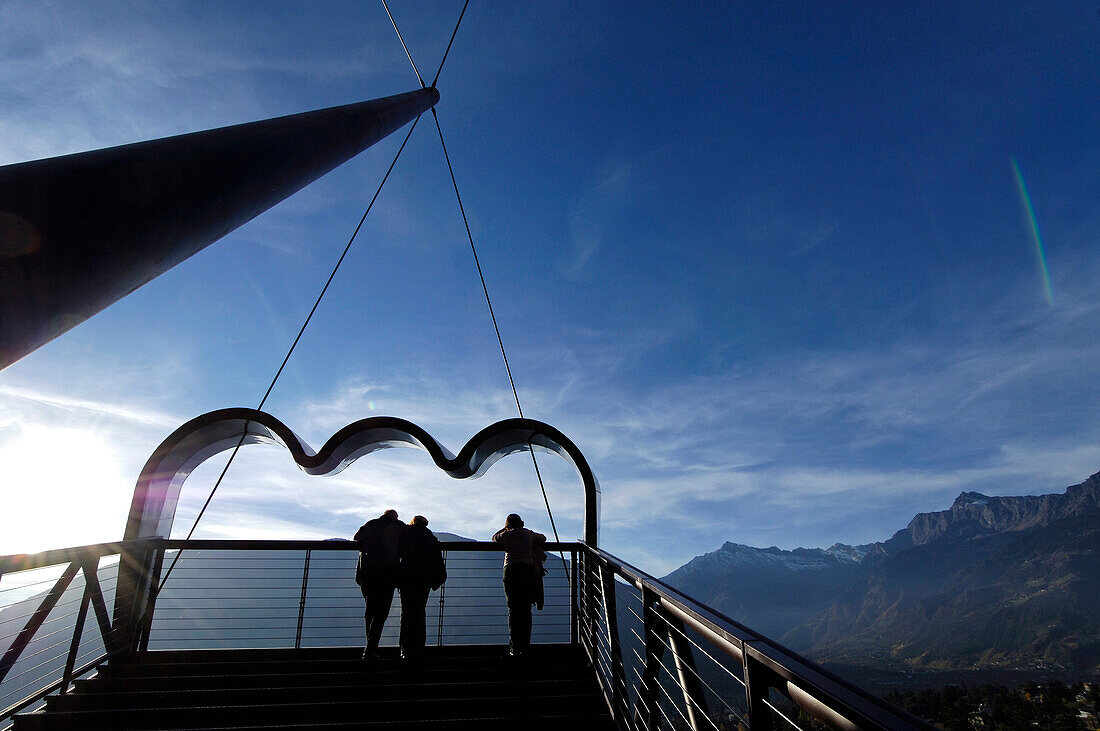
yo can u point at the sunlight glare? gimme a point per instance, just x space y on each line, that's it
68 477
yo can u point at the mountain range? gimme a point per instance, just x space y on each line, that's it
992 583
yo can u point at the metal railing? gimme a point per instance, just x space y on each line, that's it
235 594
46 603
663 660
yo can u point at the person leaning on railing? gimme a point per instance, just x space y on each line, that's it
378 572
422 570
521 579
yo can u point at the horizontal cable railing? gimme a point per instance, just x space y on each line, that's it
257 594
723 690
665 661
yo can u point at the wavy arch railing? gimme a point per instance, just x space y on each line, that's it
156 495
158 488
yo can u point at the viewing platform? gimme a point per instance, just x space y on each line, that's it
268 635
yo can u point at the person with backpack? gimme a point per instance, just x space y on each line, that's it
523 553
422 570
378 572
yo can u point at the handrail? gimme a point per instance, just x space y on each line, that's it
330 544
53 557
824 695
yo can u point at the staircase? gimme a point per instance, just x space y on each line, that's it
453 687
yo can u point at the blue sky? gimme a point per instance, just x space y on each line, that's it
767 263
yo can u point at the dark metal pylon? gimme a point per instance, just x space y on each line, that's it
79 232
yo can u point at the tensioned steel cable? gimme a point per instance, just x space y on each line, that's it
496 328
445 53
453 34
481 276
293 345
415 70
324 289
477 263
484 288
331 276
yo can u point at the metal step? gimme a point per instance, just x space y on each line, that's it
581 721
286 662
304 679
472 687
517 708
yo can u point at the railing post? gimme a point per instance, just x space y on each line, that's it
584 605
91 578
442 601
302 603
574 617
758 678
591 619
654 649
135 588
694 700
78 627
154 591
611 620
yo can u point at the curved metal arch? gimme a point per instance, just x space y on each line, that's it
156 495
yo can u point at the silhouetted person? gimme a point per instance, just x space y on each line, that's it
422 569
379 542
521 579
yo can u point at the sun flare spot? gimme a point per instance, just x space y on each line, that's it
68 482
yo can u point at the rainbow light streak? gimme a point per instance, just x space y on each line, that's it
1039 254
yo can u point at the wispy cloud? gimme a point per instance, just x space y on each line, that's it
61 487
68 463
75 405
784 453
595 212
117 72
706 459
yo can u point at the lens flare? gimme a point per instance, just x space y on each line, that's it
1029 211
